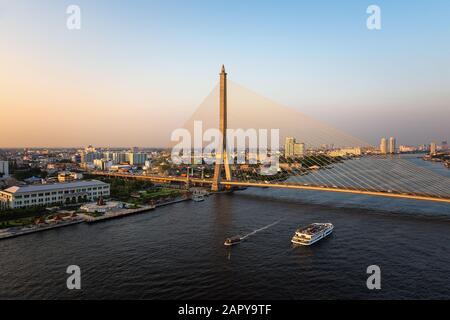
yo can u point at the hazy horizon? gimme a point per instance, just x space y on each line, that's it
138 70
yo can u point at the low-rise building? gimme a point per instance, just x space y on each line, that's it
407 149
58 193
67 176
102 164
345 152
121 167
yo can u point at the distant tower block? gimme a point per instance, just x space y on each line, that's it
383 146
222 154
392 145
433 148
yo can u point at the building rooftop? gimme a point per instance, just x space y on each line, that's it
53 186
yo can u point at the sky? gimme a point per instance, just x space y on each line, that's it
136 70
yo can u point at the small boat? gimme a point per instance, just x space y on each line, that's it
198 198
312 233
232 241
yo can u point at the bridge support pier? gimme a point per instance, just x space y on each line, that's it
221 155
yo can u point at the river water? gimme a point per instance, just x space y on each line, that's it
177 252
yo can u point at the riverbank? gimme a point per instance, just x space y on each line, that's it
20 231
117 214
171 202
443 157
80 218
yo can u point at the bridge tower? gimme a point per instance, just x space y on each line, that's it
221 154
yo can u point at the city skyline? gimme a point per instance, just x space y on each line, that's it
130 87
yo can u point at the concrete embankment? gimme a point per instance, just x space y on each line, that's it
15 232
172 202
113 215
82 217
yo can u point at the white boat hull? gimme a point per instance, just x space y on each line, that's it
305 242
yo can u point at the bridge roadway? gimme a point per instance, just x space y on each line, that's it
197 181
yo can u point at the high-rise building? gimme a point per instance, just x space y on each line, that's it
4 168
289 146
392 145
433 148
444 145
89 157
137 158
292 148
108 155
383 146
119 157
299 149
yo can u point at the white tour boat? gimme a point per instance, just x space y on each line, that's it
312 233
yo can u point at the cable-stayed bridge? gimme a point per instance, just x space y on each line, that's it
326 159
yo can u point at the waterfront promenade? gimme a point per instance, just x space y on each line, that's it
80 218
116 214
20 231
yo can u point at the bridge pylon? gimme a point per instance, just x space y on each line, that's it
222 154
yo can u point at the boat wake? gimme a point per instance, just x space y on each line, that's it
260 229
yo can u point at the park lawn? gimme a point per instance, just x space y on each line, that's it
158 193
16 222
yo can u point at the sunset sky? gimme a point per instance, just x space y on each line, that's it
138 69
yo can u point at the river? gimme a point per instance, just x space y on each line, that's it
177 251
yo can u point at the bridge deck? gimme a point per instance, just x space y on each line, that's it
279 185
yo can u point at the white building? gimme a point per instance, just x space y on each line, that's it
147 165
58 193
108 155
383 146
407 149
120 167
4 168
102 164
345 152
119 157
136 159
392 147
89 157
67 176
